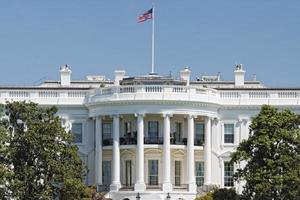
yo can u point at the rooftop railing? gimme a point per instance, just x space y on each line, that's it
153 92
44 96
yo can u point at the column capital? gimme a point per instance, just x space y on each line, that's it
243 119
139 114
98 117
167 115
191 116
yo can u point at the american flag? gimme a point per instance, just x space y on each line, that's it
147 15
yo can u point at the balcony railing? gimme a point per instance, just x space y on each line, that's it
198 142
181 141
107 142
127 140
153 140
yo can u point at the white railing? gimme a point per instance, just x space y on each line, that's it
154 92
44 96
267 94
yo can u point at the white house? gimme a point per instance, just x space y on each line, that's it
156 137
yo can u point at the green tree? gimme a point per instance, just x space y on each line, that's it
225 194
271 155
37 156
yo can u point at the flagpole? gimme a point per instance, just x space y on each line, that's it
153 17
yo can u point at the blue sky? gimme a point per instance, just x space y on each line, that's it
99 36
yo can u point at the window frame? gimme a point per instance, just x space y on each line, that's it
111 130
148 131
228 176
202 136
149 175
82 131
223 144
176 175
200 176
104 174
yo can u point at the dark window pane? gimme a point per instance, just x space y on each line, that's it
228 174
228 133
77 132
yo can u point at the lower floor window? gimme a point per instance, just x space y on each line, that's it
177 172
199 167
153 172
106 172
228 174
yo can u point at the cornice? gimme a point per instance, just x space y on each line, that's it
153 102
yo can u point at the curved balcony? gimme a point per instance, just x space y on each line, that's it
153 92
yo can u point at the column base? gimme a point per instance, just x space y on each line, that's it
139 187
167 187
192 187
114 187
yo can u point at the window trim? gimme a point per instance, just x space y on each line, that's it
223 144
203 124
222 161
148 127
102 127
199 161
223 177
82 122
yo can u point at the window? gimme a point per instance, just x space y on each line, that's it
77 132
178 131
177 172
199 173
153 129
153 172
199 136
107 130
229 133
127 127
128 173
106 172
228 174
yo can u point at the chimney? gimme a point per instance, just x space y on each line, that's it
65 75
239 76
185 75
119 75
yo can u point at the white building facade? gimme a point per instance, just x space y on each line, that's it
156 137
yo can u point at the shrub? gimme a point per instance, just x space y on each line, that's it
208 196
225 194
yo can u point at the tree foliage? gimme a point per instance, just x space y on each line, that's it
271 155
225 194
37 157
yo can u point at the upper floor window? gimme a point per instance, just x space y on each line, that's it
228 174
77 132
229 133
199 136
127 127
107 130
153 129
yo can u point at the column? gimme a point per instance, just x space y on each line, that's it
140 185
207 152
167 185
98 150
190 154
116 184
